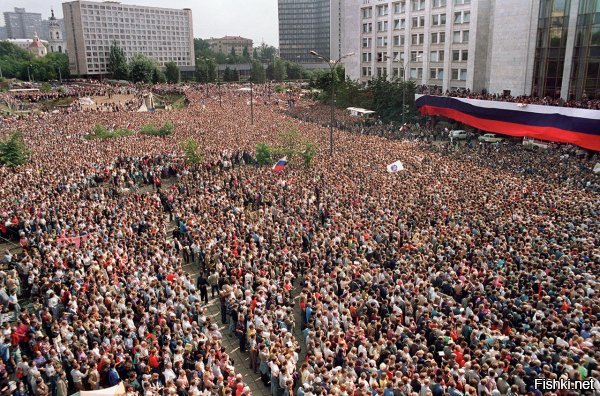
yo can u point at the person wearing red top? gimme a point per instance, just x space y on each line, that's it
153 360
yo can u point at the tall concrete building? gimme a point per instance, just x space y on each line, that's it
225 44
567 49
21 24
439 43
162 34
304 26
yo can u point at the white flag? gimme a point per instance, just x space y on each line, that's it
597 167
395 167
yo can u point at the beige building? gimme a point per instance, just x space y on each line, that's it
225 44
35 46
162 34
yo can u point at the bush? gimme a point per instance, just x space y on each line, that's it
152 130
13 151
191 148
309 153
263 154
46 87
101 132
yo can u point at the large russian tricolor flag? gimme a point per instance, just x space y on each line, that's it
556 124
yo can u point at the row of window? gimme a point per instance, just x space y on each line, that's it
399 7
434 56
417 22
458 37
435 73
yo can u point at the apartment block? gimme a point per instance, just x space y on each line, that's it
439 43
21 24
225 44
163 34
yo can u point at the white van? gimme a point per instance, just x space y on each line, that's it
535 144
458 135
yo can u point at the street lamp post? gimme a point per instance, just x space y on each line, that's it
251 103
404 69
332 65
29 72
59 74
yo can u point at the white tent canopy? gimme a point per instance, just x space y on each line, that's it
359 111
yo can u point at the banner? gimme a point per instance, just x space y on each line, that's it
580 127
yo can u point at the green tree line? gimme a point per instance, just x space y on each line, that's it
17 63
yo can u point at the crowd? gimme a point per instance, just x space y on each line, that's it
584 102
472 272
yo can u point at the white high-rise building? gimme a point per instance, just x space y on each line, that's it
439 43
163 34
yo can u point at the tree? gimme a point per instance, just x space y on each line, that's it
263 154
258 74
279 70
294 70
227 74
117 63
142 68
246 54
267 52
158 76
255 54
206 70
235 75
191 149
172 72
13 151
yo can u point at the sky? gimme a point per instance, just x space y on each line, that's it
254 19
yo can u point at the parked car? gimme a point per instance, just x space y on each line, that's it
531 143
490 138
458 135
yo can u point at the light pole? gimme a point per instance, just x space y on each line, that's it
404 83
29 72
251 103
59 74
332 65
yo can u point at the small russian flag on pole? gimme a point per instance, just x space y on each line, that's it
280 165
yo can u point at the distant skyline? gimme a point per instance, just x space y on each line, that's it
254 19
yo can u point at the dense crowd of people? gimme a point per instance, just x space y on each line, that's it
472 272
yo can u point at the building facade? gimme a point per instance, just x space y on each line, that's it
56 38
567 54
36 46
21 24
165 35
438 43
225 44
304 26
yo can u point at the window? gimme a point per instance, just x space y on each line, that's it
382 10
441 37
466 16
382 26
381 56
366 71
436 56
366 57
465 36
436 73
381 72
367 27
461 2
465 55
455 55
439 3
399 7
395 72
463 74
382 41
456 37
366 42
438 20
416 72
398 40
399 24
416 55
418 5
457 17
367 12
455 74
